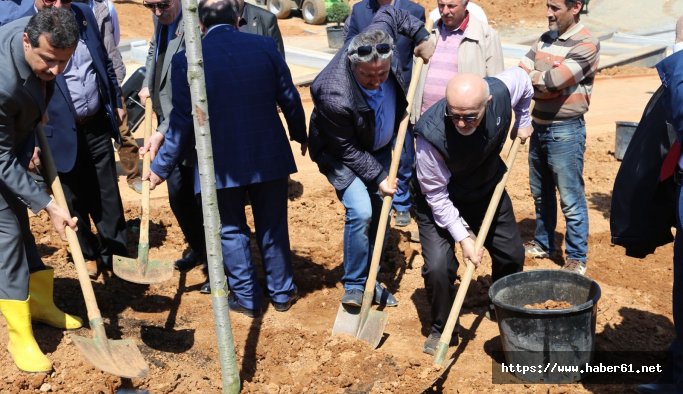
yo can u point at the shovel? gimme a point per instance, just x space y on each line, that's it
142 270
117 357
367 324
440 355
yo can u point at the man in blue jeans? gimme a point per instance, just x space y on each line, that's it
360 18
562 65
359 101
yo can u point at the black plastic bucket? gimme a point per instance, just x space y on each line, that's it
540 339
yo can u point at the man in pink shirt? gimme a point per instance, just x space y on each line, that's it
464 44
459 140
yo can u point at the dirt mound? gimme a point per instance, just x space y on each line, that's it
294 352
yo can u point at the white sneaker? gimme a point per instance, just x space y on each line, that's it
575 266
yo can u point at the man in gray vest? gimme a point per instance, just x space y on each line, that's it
459 140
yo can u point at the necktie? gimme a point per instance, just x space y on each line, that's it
161 55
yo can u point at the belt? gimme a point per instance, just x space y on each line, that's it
82 121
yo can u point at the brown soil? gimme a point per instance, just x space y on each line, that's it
505 15
549 304
294 352
626 70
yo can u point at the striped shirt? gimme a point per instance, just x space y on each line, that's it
562 70
444 63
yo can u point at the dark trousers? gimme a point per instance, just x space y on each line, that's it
503 243
128 149
18 251
269 207
186 207
92 193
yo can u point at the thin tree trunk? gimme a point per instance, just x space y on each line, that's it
212 225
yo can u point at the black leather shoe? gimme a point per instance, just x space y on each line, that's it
206 288
236 307
353 298
284 306
187 262
383 297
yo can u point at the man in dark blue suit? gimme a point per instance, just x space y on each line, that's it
11 10
246 78
361 17
83 115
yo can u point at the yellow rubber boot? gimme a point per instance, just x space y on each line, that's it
22 345
43 308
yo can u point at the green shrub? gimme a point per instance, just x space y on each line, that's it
338 12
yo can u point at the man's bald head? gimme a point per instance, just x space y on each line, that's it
466 99
679 30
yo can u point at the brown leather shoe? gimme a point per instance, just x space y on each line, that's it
91 267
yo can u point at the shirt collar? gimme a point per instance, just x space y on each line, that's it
461 28
372 94
229 28
575 29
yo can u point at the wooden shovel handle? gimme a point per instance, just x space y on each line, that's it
445 340
76 252
386 202
144 217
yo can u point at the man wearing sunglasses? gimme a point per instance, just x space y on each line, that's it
458 145
361 17
359 102
167 40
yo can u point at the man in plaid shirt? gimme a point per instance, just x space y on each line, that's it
562 65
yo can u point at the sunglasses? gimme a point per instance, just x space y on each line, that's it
50 3
465 118
366 50
162 6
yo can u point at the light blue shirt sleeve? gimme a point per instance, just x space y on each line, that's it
114 22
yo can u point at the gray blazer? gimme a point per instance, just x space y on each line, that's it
22 105
176 45
256 20
101 10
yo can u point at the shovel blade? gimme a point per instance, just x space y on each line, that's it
372 330
117 357
135 271
347 321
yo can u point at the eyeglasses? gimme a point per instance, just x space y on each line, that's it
50 3
469 118
161 6
366 50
